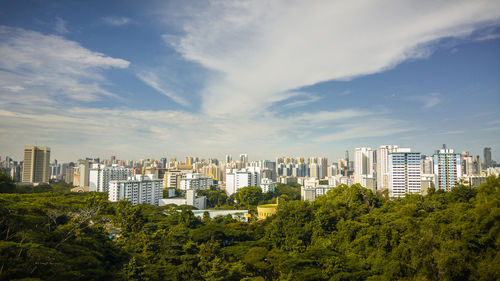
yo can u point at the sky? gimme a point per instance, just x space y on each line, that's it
140 79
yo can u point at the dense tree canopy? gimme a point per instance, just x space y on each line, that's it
348 234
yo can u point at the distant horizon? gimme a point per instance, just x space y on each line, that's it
236 156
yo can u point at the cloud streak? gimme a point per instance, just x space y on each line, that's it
116 21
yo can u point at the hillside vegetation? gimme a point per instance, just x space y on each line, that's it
350 233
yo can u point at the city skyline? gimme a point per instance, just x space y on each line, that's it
208 79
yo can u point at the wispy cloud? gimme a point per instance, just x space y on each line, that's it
39 65
116 21
428 100
60 26
263 48
151 79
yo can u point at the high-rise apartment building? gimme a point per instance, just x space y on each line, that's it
383 165
447 169
363 165
404 172
196 181
140 190
427 165
238 179
487 157
36 164
100 176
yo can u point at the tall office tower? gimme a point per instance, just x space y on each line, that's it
487 157
55 170
189 160
228 158
36 164
163 162
404 173
141 190
244 160
447 169
363 165
324 167
100 176
383 165
426 165
346 158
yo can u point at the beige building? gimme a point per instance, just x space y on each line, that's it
36 164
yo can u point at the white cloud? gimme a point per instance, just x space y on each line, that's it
60 26
428 100
116 21
49 66
262 48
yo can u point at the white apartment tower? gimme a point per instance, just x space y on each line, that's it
363 165
447 169
196 181
383 165
100 176
138 190
404 173
238 179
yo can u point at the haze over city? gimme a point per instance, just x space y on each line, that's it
180 78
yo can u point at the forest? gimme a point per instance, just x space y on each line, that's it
351 233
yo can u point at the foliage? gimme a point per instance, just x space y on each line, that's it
350 233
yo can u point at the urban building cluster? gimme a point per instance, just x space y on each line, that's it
388 168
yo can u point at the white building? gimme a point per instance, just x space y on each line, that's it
363 165
447 169
238 179
383 165
310 193
404 173
100 176
172 179
199 203
196 181
138 190
267 185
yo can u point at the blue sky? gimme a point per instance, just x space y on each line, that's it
267 78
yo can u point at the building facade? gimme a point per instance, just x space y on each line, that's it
100 176
404 173
36 164
138 190
447 169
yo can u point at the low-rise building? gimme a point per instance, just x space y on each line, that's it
199 203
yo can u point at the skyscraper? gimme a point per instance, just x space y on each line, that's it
36 164
487 157
404 172
447 169
383 165
244 160
363 164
